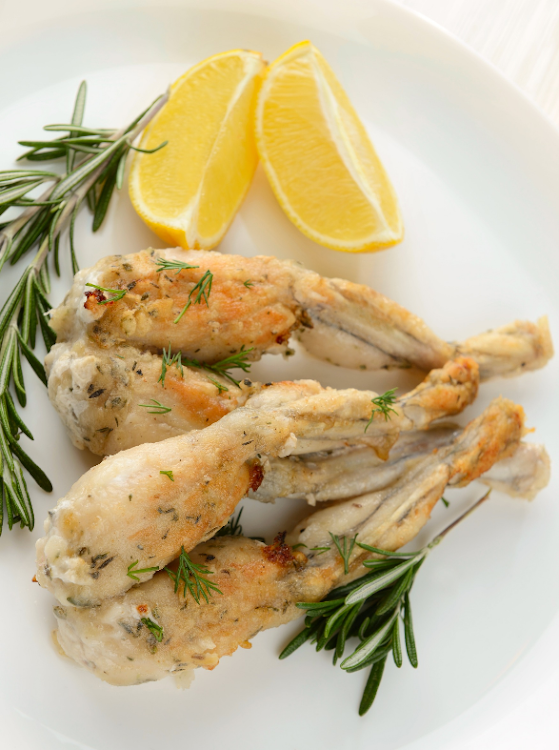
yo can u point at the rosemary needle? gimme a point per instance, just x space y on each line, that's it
370 608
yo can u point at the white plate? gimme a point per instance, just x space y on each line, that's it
476 169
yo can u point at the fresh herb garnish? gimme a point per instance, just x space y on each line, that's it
168 474
202 290
167 360
173 265
119 294
132 570
155 629
232 527
345 548
220 387
383 404
221 368
369 608
235 360
191 577
445 502
248 283
156 407
93 165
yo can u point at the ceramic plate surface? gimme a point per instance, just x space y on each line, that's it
475 167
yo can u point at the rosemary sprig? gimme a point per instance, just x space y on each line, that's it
383 404
370 609
156 407
133 571
191 576
93 165
345 548
118 294
221 368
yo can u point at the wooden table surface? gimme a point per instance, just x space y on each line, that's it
520 37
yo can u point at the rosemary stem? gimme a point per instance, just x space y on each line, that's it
11 230
84 188
455 523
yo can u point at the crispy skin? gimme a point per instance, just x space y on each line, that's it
345 323
97 393
260 589
261 316
125 509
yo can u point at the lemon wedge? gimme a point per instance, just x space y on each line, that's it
318 157
190 190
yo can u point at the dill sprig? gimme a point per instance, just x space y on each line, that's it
221 368
133 570
202 290
173 265
240 360
156 407
383 404
167 361
155 629
372 609
191 577
232 527
118 293
93 166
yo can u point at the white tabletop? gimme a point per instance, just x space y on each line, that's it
520 37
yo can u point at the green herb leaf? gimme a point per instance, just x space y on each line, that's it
168 474
232 527
381 581
155 629
202 291
118 293
133 572
372 686
173 265
396 643
191 577
345 548
156 407
408 632
383 404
